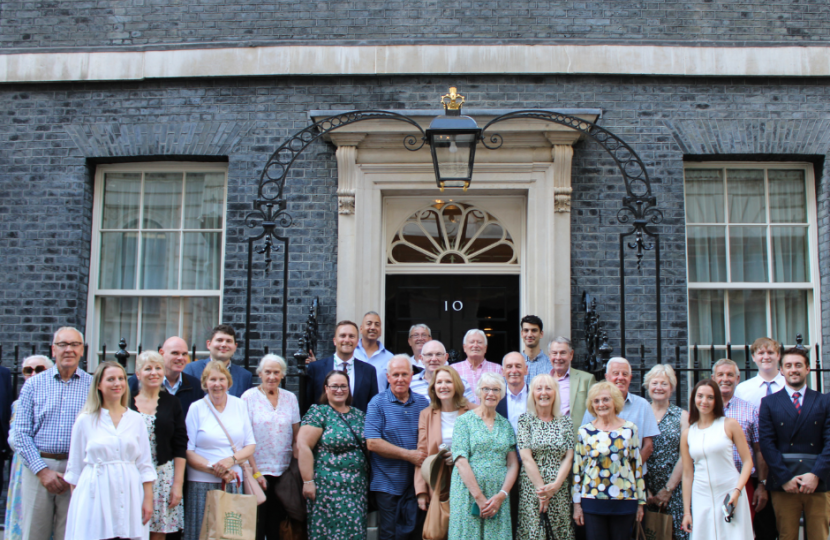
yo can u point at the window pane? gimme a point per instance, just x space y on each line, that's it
204 201
706 317
787 196
162 200
200 315
159 260
121 196
748 254
117 266
746 196
707 254
789 254
159 320
747 316
789 316
704 196
201 260
118 319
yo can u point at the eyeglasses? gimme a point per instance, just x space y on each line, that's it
28 370
338 387
486 390
413 336
432 355
65 345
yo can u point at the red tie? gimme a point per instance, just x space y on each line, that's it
797 406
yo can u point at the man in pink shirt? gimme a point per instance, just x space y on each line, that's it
475 347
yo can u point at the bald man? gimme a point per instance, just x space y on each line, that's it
185 387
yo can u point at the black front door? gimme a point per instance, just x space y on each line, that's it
451 305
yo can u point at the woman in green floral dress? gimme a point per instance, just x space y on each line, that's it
484 450
333 465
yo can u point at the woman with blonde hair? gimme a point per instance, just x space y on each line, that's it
436 423
546 440
110 466
211 457
608 487
163 416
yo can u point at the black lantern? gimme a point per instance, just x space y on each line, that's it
453 139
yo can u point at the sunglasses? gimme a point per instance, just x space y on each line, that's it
28 370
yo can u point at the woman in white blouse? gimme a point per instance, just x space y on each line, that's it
275 417
110 467
435 425
210 456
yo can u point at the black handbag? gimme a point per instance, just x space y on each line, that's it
289 491
799 464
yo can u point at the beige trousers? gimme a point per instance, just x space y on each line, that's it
44 514
788 508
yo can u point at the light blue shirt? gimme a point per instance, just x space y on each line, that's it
172 389
638 411
380 359
516 406
538 366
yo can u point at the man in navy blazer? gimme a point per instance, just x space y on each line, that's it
222 346
363 379
794 432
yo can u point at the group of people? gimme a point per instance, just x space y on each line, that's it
512 449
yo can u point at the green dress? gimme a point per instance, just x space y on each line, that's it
486 451
549 442
340 475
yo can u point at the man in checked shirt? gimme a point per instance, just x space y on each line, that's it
46 411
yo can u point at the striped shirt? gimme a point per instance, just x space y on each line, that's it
538 366
395 422
747 416
46 412
470 374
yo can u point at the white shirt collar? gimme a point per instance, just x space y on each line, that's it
791 391
519 396
779 380
338 360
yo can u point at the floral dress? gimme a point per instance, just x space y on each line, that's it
340 476
661 464
549 442
486 452
165 519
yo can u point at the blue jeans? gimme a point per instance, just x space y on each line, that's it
397 519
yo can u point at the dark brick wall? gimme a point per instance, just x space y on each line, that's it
50 136
149 23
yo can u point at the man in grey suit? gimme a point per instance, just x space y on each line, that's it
573 383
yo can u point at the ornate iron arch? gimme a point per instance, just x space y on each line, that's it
639 205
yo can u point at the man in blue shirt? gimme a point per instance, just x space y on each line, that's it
370 349
222 346
391 433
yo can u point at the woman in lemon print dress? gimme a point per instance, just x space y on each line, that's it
608 486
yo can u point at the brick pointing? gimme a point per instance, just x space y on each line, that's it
165 23
51 134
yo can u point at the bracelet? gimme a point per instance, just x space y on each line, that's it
506 495
257 475
308 482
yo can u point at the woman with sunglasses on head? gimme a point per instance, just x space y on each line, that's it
333 464
32 365
486 466
710 480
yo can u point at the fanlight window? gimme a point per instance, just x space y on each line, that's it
452 233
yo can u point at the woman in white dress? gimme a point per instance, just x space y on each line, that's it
110 467
709 474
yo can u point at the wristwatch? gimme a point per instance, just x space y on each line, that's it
763 482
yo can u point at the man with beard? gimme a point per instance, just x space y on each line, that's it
794 429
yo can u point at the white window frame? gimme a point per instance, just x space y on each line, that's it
813 300
95 293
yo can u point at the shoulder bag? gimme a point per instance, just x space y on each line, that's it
250 486
371 503
437 522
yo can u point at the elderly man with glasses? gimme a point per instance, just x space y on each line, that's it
45 414
419 335
434 355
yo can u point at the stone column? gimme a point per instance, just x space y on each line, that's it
347 172
560 240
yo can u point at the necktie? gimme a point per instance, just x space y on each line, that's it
796 404
769 387
344 367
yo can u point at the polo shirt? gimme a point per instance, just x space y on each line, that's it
395 422
380 360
